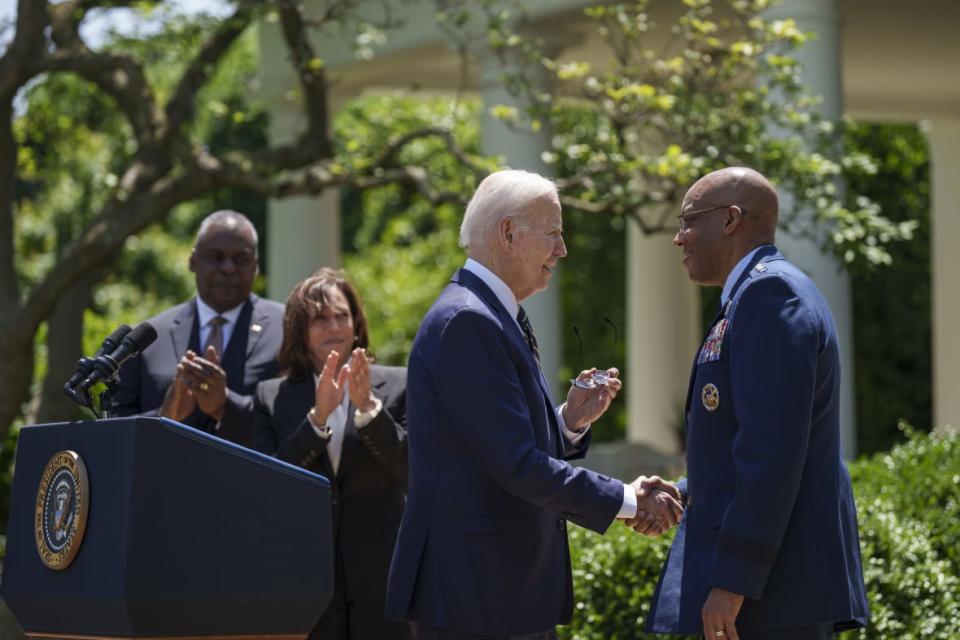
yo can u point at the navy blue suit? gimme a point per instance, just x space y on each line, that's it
482 546
770 510
249 357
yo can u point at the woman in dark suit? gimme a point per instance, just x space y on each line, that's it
334 413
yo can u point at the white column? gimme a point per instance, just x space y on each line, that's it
523 150
944 139
663 331
821 61
303 233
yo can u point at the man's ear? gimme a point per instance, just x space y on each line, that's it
505 229
193 260
733 219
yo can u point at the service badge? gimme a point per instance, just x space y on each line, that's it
710 396
60 517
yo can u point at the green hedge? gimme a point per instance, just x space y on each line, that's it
909 508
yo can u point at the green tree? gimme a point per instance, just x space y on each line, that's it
157 149
654 123
719 87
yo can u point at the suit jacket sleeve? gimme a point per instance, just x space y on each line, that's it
774 341
385 437
302 447
473 361
237 417
577 451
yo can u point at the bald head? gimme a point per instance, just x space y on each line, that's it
746 188
725 215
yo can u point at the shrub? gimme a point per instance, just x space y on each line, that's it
613 580
909 512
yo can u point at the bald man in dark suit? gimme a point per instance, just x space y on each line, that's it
211 351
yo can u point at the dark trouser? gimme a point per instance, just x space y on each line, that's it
424 632
342 620
812 632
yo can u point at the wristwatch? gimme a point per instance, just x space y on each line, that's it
322 429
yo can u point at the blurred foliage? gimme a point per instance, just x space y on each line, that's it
399 249
909 512
723 90
891 307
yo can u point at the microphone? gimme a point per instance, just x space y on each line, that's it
85 365
105 367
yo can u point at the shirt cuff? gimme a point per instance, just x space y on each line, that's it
572 436
362 419
629 507
322 430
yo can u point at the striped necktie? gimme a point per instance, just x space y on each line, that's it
215 339
528 335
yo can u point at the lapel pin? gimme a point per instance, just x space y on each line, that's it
256 328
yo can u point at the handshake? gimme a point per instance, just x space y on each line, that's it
659 506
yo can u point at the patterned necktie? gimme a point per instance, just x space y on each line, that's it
215 339
527 329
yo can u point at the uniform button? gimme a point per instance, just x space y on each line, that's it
562 525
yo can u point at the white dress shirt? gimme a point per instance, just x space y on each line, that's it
509 301
337 423
205 314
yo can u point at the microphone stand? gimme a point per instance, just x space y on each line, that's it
106 397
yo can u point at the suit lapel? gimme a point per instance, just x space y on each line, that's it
259 321
475 284
184 332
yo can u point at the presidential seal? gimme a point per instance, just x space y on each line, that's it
60 517
710 396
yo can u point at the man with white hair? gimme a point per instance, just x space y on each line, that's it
482 548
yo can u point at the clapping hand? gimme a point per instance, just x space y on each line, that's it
659 506
199 382
359 377
330 388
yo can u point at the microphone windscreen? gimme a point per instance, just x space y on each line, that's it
117 335
142 336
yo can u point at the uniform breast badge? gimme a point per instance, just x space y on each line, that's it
60 517
710 396
710 351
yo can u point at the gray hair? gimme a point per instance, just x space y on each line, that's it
504 194
229 219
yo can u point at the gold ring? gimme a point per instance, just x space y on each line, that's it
204 386
720 633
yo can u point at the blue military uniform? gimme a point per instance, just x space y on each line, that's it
770 512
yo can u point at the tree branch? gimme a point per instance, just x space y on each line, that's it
316 179
104 237
387 158
121 77
28 45
9 288
181 106
311 75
